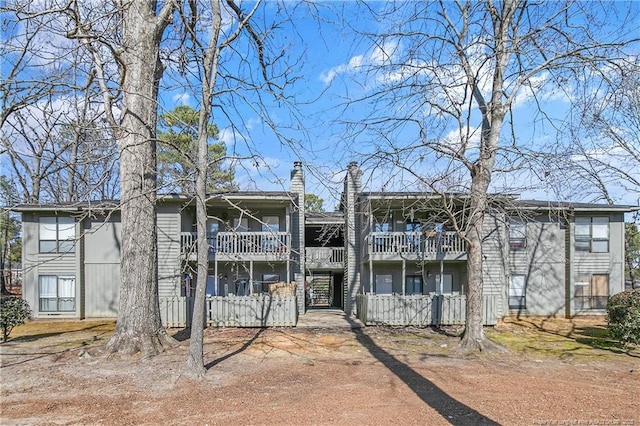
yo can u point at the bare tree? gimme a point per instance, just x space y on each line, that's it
141 27
603 153
122 41
51 121
213 30
443 79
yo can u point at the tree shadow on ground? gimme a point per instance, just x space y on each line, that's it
244 346
452 410
182 335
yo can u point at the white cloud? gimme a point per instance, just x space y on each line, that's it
181 98
352 66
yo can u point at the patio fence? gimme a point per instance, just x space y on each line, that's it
261 310
420 310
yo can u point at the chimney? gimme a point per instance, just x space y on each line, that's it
297 232
352 236
297 178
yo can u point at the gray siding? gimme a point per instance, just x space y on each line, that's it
36 264
428 273
169 270
542 262
101 289
495 267
353 234
297 232
101 272
611 263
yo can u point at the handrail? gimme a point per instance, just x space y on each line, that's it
414 242
240 242
324 254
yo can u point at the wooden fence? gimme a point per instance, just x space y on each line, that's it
233 311
420 310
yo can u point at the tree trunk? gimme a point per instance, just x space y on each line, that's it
474 337
139 327
195 359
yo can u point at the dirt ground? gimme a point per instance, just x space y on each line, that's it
555 372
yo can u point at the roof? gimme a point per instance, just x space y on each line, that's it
69 207
426 194
165 198
567 205
323 218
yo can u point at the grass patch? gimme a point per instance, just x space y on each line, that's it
577 338
38 329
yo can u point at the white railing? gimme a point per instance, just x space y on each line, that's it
324 255
415 243
244 243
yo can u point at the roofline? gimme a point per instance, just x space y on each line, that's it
568 206
182 198
391 196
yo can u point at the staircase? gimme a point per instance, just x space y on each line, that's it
320 290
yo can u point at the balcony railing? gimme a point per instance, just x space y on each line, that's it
324 255
239 243
415 243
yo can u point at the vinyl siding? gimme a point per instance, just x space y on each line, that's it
495 267
611 263
542 262
101 288
36 264
101 272
169 224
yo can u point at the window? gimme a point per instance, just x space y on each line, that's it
271 278
517 292
413 239
57 293
212 237
241 224
413 284
57 234
381 225
382 243
591 291
384 284
271 224
517 234
592 234
447 284
267 279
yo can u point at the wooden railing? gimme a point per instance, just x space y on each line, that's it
414 243
246 311
239 243
324 255
421 310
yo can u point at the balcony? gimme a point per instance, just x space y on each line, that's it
239 246
415 246
324 257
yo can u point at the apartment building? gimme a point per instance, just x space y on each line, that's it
388 257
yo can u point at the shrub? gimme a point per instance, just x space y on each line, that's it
623 316
13 311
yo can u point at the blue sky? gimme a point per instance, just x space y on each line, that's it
331 72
